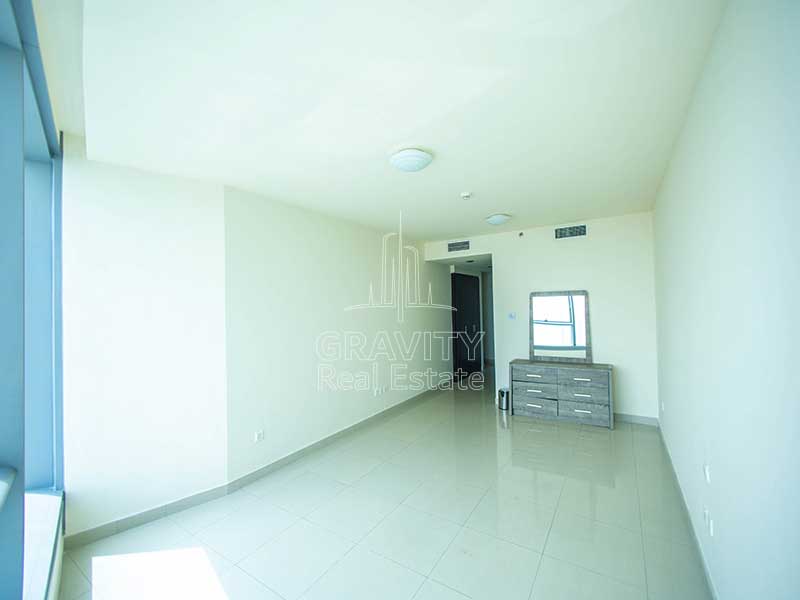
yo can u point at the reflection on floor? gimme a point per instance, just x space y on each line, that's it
449 499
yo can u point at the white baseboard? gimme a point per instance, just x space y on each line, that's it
706 572
636 419
87 536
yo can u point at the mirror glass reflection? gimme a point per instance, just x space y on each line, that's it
559 325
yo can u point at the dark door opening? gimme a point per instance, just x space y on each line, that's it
466 300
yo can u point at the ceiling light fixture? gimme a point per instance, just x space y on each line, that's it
498 219
411 159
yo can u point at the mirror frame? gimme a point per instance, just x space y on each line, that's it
588 358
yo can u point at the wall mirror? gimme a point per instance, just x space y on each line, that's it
559 326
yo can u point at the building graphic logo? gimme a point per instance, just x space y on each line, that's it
400 286
398 360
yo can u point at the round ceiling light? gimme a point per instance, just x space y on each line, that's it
411 159
498 219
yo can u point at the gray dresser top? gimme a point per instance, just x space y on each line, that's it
563 365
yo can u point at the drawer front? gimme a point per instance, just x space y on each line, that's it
534 390
590 413
583 377
534 373
534 407
577 393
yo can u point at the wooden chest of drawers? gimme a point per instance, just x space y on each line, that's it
567 391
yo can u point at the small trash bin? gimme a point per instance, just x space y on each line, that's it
503 398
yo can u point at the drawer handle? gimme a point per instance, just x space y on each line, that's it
534 405
581 379
586 412
532 375
582 395
535 391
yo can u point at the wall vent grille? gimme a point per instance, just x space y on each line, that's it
457 246
567 232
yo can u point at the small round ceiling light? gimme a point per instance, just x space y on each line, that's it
411 159
498 219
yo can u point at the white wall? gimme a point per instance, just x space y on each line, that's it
487 311
728 279
144 339
614 262
290 275
161 395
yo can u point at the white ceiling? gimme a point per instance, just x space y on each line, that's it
550 110
59 24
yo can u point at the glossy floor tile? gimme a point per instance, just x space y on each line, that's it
599 547
432 590
238 584
608 504
515 518
413 538
294 560
354 513
73 583
445 499
303 494
158 536
673 570
244 531
392 481
559 580
364 575
347 466
199 517
484 567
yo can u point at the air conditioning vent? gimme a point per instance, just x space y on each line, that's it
574 231
457 246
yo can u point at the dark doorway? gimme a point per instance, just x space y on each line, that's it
466 299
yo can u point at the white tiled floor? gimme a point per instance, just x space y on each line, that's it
443 501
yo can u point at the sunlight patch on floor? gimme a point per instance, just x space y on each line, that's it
165 574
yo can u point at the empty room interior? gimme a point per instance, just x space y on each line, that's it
399 300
